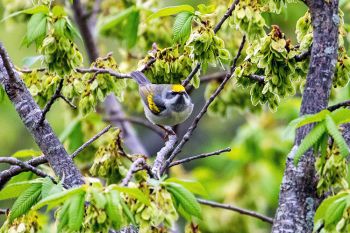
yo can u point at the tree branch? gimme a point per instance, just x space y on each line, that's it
30 114
216 29
135 167
200 156
103 71
194 124
343 104
236 209
17 162
55 96
91 140
298 198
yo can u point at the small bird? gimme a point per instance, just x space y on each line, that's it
164 104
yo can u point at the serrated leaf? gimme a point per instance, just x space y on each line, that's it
322 209
13 190
25 201
56 199
335 211
133 192
304 120
36 28
76 211
37 9
171 10
58 11
309 140
192 185
26 153
185 198
99 198
182 27
132 28
337 136
73 32
114 209
113 20
60 27
341 116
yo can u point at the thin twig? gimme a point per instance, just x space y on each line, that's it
194 124
17 162
200 156
236 209
27 71
48 106
67 101
339 105
103 71
133 169
91 140
216 29
258 78
138 121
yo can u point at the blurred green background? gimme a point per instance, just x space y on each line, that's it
249 176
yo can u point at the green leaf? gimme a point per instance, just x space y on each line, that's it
307 119
25 201
34 10
99 198
56 199
341 116
36 28
182 27
72 30
172 10
49 188
113 20
185 198
58 11
15 189
335 211
132 28
26 153
192 185
206 9
76 211
322 209
134 192
309 140
114 209
60 27
337 136
63 216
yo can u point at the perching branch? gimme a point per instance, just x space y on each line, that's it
194 124
216 29
200 156
91 140
163 153
236 209
17 162
30 114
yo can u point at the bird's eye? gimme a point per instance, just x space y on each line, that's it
170 94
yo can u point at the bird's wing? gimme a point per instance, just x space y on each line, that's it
152 98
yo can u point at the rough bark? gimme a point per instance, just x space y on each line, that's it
297 201
30 114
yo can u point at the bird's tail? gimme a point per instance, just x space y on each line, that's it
139 77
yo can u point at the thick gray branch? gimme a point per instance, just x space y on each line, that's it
30 114
297 201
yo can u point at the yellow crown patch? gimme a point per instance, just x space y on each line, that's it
177 88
